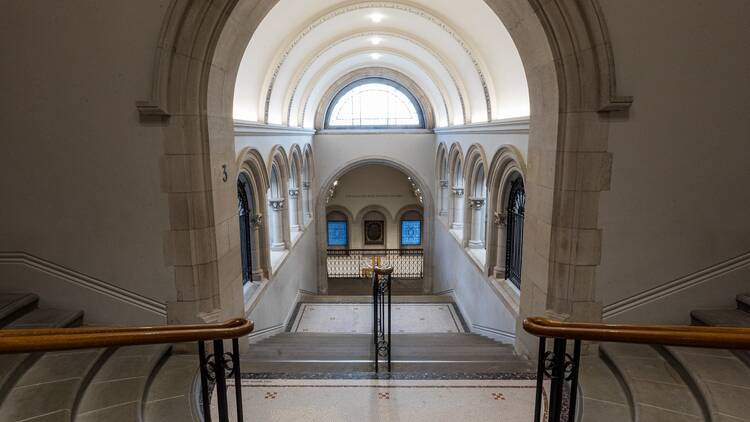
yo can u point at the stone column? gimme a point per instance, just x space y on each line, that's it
501 227
477 208
277 223
256 222
293 214
306 202
443 197
458 209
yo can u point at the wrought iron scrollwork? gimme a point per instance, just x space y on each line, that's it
381 301
561 368
215 371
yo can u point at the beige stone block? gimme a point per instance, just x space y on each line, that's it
585 132
223 230
230 268
543 130
588 247
544 92
535 267
594 171
583 83
586 312
188 312
577 209
204 242
185 82
216 104
182 135
584 284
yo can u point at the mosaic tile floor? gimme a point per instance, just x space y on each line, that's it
342 400
356 318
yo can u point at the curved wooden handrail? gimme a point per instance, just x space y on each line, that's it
669 335
51 339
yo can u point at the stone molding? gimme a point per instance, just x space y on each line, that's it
82 280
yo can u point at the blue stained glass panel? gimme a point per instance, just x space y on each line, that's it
411 232
337 233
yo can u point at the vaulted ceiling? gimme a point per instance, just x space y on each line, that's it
457 52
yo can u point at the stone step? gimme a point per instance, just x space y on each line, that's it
366 366
117 390
743 302
457 339
721 318
170 394
722 380
13 305
602 395
657 390
13 367
51 385
47 318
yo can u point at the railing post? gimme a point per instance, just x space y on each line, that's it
237 377
540 379
203 362
389 321
375 321
558 380
221 380
574 380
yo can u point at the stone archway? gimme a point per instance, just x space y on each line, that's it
428 215
566 54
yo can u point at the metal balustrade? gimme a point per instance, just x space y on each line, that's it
358 263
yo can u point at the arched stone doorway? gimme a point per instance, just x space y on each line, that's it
569 66
427 215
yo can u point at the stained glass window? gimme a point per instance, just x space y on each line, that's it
411 232
337 235
374 103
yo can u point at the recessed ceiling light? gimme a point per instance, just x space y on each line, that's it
376 40
376 17
376 56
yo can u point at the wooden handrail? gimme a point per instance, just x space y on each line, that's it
669 335
53 339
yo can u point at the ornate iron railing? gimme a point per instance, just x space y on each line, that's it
381 305
358 263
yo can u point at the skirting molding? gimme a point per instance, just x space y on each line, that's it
494 333
259 335
85 281
676 286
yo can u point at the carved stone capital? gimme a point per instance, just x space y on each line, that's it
306 185
277 204
444 184
458 192
256 220
476 203
500 219
293 193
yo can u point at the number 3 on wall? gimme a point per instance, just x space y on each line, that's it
224 174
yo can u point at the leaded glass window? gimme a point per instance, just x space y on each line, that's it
337 233
411 232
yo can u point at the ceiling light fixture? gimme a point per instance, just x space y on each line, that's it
376 17
376 40
376 56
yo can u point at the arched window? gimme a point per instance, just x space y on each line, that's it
410 229
337 230
514 248
374 103
244 197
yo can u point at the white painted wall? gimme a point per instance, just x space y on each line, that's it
679 198
335 151
298 272
455 273
79 175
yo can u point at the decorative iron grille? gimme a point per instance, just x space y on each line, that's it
514 249
358 263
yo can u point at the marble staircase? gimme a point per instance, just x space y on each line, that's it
125 384
641 383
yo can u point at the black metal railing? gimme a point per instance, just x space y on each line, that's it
215 368
381 305
358 263
562 369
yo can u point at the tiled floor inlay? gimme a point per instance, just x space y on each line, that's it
386 400
356 318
